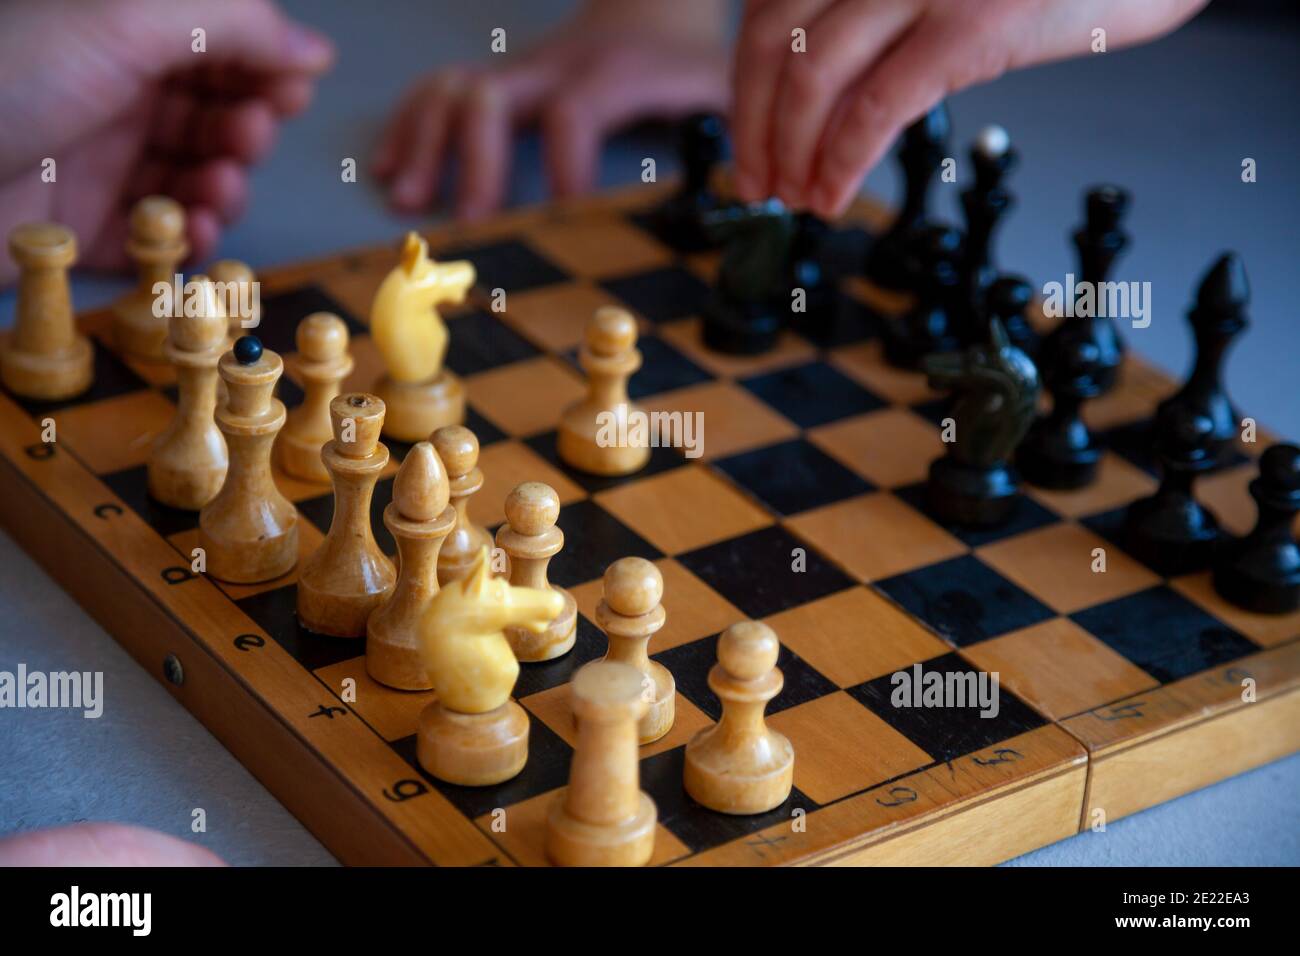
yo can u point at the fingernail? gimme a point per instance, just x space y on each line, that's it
307 48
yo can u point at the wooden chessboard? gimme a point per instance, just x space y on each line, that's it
1118 690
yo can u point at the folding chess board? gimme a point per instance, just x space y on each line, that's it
1118 690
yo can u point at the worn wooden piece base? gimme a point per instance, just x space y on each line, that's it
1110 700
473 750
417 410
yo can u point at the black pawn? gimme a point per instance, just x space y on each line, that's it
1171 531
1060 451
248 349
702 145
1007 300
1099 243
1217 318
928 327
985 205
923 147
1261 572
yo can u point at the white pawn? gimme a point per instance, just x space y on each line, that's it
321 364
596 434
530 539
630 614
738 765
187 465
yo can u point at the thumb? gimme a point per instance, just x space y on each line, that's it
251 33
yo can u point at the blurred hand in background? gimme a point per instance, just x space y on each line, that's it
614 63
115 94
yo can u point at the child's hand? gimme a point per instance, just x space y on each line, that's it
113 92
617 62
807 127
101 844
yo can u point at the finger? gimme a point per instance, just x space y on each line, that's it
219 185
203 228
392 141
842 42
419 165
102 844
763 45
189 127
929 61
250 33
485 134
616 90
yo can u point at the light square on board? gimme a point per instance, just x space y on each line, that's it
1117 483
116 433
526 397
890 447
596 247
692 608
841 747
554 707
1265 629
1059 668
507 464
865 362
1227 494
393 714
733 420
683 509
687 335
855 635
876 536
1055 564
524 835
555 316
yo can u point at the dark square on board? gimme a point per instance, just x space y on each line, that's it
112 378
662 459
1163 633
698 827
282 312
947 732
757 571
1027 516
132 486
661 295
276 612
965 600
793 476
547 769
590 644
510 265
812 394
690 664
478 341
593 540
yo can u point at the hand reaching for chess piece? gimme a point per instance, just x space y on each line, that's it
113 93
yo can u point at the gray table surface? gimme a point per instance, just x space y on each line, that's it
1172 121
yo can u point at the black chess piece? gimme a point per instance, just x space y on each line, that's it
1261 572
678 221
1171 531
922 149
985 204
810 278
1217 318
1060 451
1007 300
750 302
929 326
1099 242
996 390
